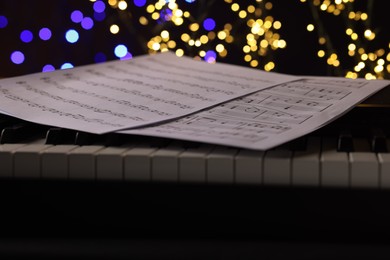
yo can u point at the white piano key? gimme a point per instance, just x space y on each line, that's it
334 165
6 158
109 163
384 166
193 164
249 167
364 170
138 163
165 164
82 162
277 167
55 161
27 160
220 165
306 164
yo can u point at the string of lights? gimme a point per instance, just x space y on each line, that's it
360 56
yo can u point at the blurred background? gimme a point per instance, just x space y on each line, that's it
348 38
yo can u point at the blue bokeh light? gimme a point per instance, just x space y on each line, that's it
26 36
72 36
99 16
47 68
120 51
87 23
139 3
209 24
45 34
210 56
66 65
166 14
190 1
3 21
17 57
99 6
128 56
100 57
76 16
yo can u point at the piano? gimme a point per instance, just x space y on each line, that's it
331 186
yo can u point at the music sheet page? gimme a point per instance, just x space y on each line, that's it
270 117
116 95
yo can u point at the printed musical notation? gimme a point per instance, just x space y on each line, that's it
270 117
115 95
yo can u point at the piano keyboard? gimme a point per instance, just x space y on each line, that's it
317 160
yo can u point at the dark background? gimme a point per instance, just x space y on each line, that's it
299 57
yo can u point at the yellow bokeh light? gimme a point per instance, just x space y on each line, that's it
178 21
194 27
254 63
242 14
235 7
322 40
165 34
114 29
251 9
122 5
156 46
229 39
321 53
277 25
179 52
247 58
220 48
112 2
150 9
351 47
310 27
204 39
185 37
143 20
155 15
171 44
221 35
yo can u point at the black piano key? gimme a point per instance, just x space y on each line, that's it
298 144
57 136
345 141
21 132
378 141
82 138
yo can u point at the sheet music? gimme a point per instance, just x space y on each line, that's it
116 95
270 117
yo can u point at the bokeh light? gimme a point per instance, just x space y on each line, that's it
139 3
17 57
87 23
99 6
100 57
47 68
209 24
72 36
76 16
26 36
3 21
66 65
45 34
120 51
